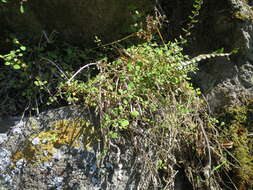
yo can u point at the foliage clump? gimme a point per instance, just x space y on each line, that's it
135 87
30 75
144 98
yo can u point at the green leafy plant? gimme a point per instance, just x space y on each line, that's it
134 85
197 4
14 57
146 92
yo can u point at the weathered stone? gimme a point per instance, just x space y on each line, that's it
71 166
224 24
227 82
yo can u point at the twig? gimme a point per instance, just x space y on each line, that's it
231 181
61 71
117 41
160 35
49 39
46 37
208 148
82 68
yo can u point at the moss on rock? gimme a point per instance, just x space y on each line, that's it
238 124
41 146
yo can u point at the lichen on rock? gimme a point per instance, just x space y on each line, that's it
42 146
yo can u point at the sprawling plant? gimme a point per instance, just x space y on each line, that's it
145 94
136 85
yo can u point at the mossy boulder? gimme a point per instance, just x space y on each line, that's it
77 21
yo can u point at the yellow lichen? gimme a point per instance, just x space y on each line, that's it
63 132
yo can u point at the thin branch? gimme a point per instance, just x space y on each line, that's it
82 68
209 165
117 41
61 71
46 37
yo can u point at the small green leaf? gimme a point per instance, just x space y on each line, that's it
15 41
124 123
7 63
121 91
222 123
16 67
121 108
23 48
113 135
137 67
125 101
135 113
131 85
107 117
22 9
110 87
37 83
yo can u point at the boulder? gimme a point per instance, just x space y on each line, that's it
31 159
77 21
59 149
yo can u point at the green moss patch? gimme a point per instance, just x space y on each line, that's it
237 131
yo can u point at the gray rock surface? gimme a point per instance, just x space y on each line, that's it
71 167
224 81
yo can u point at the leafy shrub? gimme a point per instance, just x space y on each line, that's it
145 98
136 85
